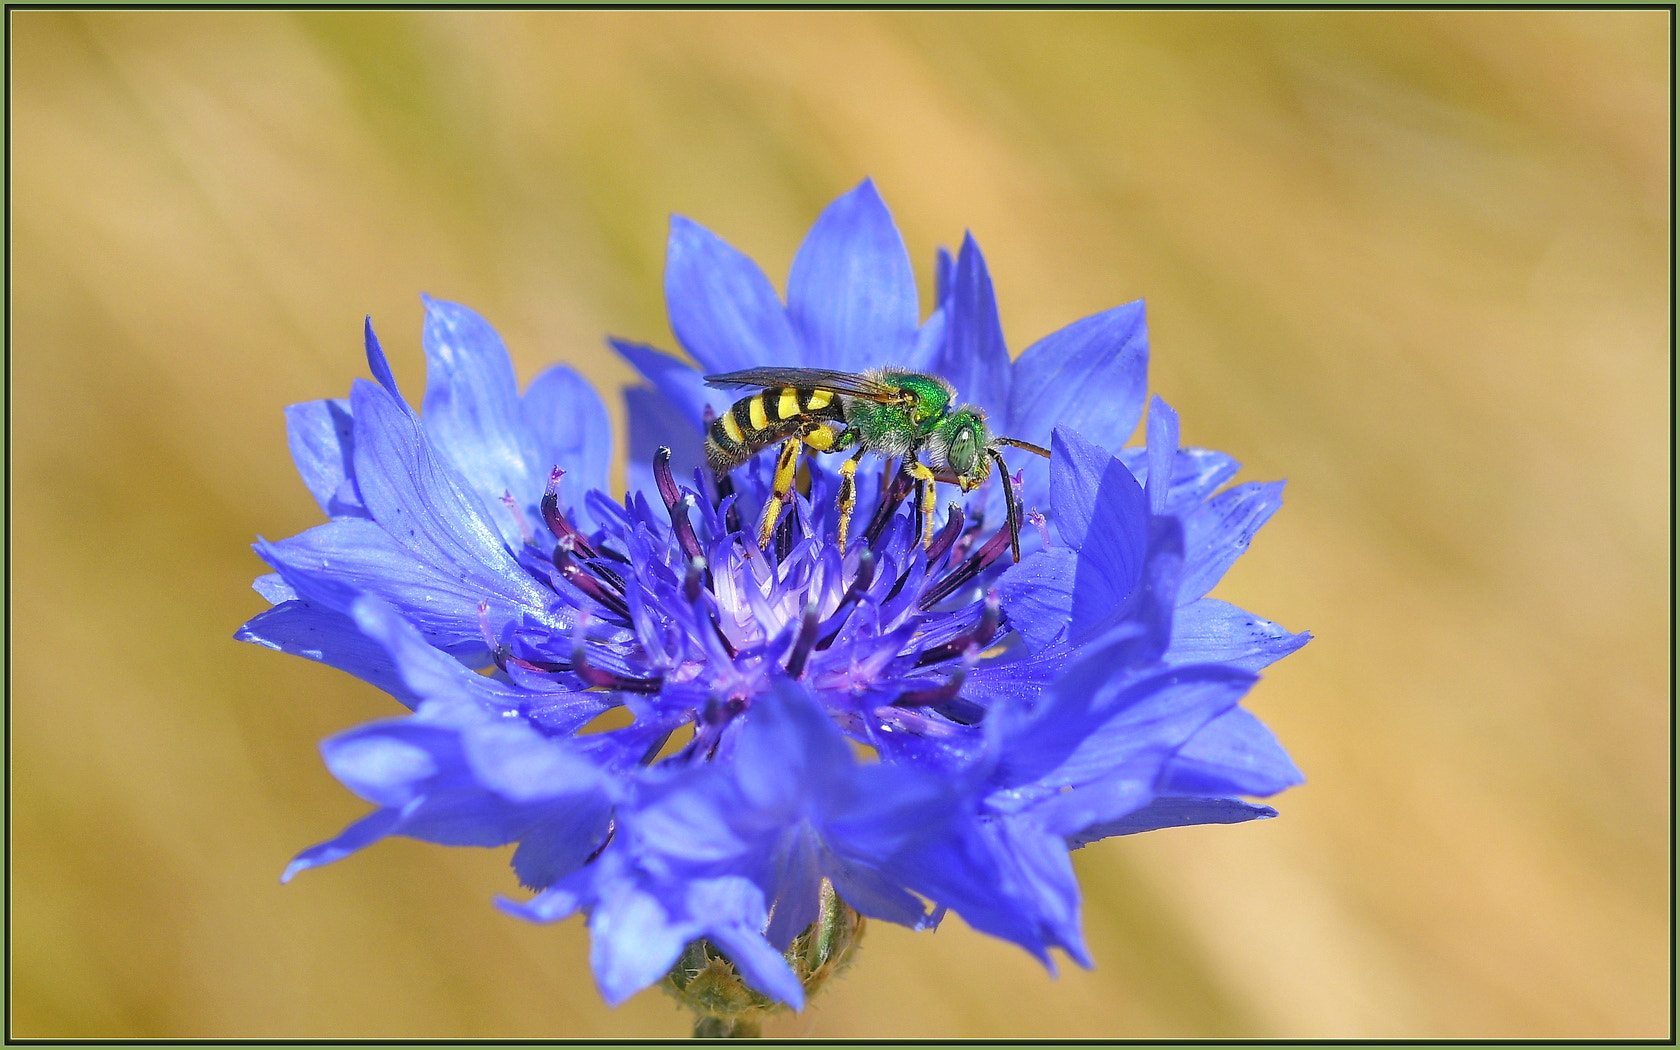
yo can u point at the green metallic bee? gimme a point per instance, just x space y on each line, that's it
901 415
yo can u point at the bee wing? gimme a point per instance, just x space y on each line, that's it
849 383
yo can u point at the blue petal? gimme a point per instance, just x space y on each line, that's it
930 340
429 673
633 943
563 842
1017 683
460 813
472 409
796 887
944 276
358 836
696 825
874 894
521 765
273 587
390 762
424 506
722 307
332 564
1196 473
320 436
1038 595
655 423
891 807
570 427
787 743
851 292
1122 790
985 875
1215 632
1100 512
377 364
1217 532
303 629
1235 754
1173 813
679 383
1089 376
1154 717
974 357
760 964
1082 734
1041 863
1163 453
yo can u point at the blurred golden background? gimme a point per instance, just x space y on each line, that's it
1417 263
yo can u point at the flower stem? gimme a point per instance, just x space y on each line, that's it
740 1026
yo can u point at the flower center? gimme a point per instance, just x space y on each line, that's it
685 625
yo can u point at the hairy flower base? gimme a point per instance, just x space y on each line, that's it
705 981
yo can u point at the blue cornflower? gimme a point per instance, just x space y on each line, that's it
922 728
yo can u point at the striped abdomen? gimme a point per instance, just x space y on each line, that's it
757 422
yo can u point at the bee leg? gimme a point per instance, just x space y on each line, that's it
786 464
925 482
1012 510
848 495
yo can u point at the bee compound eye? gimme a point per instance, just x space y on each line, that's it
961 454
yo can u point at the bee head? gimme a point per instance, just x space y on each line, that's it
958 445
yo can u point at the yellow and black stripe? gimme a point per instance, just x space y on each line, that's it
757 422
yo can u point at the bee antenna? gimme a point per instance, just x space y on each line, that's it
1018 443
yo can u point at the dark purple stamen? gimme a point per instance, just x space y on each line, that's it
540 666
963 712
693 576
726 489
568 537
599 676
894 494
898 584
653 750
860 584
579 577
984 631
929 697
709 724
967 571
498 651
947 535
784 529
612 829
721 712
803 642
675 504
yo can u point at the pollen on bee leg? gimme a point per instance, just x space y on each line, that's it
847 502
781 491
925 487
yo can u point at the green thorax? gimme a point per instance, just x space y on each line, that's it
933 396
898 429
